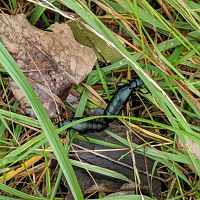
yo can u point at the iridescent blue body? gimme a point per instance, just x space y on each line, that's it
87 126
116 104
120 98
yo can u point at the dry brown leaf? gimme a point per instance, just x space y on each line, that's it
51 60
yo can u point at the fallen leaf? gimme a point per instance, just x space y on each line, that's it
103 51
51 60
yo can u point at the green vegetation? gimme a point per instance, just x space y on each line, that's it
159 42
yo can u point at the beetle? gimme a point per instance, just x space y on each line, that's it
120 98
116 104
87 126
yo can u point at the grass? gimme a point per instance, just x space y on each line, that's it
165 55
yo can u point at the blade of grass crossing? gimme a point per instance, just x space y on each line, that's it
155 155
17 193
102 78
37 12
47 126
105 34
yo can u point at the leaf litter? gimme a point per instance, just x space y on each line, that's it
51 60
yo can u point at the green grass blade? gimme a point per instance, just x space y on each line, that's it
44 120
37 12
17 193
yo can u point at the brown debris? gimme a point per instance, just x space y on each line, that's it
51 60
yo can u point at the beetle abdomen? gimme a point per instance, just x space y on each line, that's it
120 98
86 126
116 104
